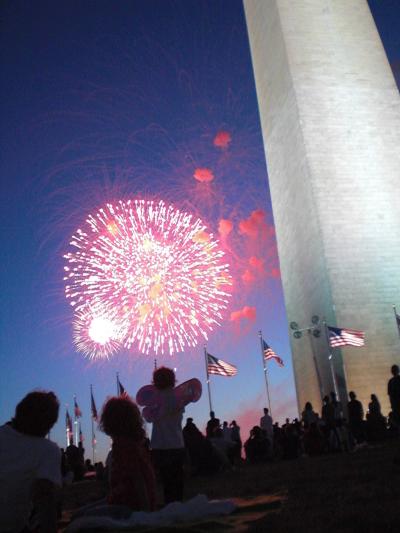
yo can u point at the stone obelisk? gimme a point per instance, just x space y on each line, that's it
330 115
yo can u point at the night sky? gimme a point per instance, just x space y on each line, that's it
102 101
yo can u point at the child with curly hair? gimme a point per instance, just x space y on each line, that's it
132 480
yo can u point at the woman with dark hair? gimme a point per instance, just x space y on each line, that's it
30 465
309 416
132 481
167 440
376 422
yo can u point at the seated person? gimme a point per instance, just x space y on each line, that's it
30 466
132 480
131 477
257 446
203 457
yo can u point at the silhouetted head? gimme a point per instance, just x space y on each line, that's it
266 411
212 414
308 406
395 370
36 414
121 417
164 378
233 423
352 395
255 432
326 399
374 397
225 424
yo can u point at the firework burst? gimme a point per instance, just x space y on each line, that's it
143 273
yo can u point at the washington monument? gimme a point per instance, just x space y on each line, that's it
330 115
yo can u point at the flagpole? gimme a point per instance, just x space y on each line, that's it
66 425
208 377
264 364
75 422
93 437
117 383
310 334
330 359
395 319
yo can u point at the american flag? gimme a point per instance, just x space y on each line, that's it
77 411
344 337
270 354
220 368
81 437
93 406
121 388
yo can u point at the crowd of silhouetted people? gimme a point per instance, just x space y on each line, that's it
32 467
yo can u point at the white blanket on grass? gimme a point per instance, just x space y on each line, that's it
198 508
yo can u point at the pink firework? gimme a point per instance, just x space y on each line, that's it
143 273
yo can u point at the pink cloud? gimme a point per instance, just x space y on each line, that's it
253 225
225 226
256 263
204 175
222 139
248 277
246 312
275 273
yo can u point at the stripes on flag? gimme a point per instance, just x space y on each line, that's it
270 354
345 337
219 367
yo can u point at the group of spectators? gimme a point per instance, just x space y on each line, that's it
331 432
32 467
74 466
219 449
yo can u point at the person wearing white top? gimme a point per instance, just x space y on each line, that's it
266 424
167 444
30 466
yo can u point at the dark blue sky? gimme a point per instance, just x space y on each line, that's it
103 100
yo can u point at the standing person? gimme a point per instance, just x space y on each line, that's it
394 394
30 466
266 424
74 462
356 418
167 442
376 422
226 431
337 409
212 425
309 416
235 436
